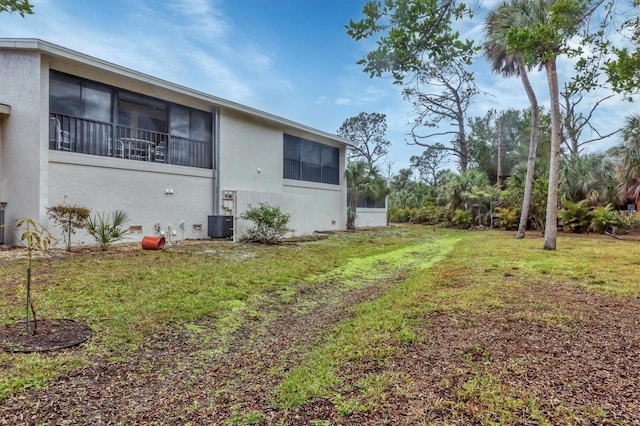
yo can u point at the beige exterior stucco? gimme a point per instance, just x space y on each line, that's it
21 148
159 198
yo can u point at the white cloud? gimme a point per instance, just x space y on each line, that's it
200 18
257 59
343 101
216 78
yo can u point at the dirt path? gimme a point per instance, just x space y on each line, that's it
179 377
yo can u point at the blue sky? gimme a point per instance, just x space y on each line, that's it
291 58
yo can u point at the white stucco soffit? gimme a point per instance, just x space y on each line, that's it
5 109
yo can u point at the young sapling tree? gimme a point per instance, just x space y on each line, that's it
34 237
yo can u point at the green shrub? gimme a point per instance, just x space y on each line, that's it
270 224
507 217
68 218
399 214
107 229
603 219
574 217
412 215
396 215
628 221
436 214
462 218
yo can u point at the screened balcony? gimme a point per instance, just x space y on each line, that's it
92 118
92 137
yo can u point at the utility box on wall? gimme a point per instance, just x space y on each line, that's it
220 227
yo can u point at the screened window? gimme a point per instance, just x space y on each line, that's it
142 112
190 123
96 102
79 98
92 118
180 121
310 161
368 201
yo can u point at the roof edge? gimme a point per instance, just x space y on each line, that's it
46 47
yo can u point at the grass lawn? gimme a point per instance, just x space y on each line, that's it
403 325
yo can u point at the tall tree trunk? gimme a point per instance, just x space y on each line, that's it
351 209
462 140
499 177
533 148
551 226
464 156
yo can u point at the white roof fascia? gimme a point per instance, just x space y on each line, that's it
63 52
5 109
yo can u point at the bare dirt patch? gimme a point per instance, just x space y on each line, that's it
574 361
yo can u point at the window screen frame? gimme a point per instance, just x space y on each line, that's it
310 161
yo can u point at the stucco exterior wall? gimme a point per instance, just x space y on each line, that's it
327 207
367 217
107 184
250 154
21 174
251 159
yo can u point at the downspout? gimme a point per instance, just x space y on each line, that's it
5 111
216 161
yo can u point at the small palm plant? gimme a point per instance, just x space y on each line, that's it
107 229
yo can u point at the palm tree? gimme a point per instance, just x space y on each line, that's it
628 154
455 193
541 41
365 179
509 62
588 177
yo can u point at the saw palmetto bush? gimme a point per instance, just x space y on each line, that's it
107 229
574 216
604 218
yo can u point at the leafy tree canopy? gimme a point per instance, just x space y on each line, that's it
623 72
21 7
411 34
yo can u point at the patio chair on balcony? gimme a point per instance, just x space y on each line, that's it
159 153
118 149
61 138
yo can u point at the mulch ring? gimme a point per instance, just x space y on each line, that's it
52 334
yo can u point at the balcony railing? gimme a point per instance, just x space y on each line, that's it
67 133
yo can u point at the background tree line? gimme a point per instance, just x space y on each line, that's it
514 167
